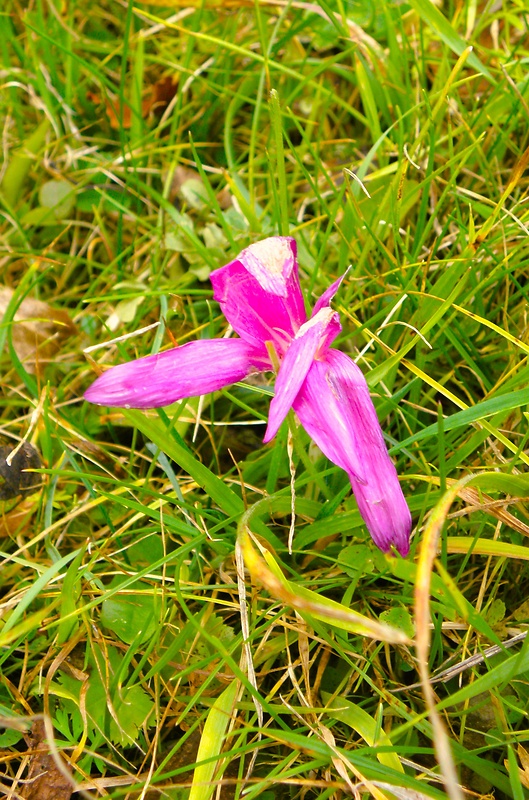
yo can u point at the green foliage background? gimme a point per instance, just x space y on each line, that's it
145 145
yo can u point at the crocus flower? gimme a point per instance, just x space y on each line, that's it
260 295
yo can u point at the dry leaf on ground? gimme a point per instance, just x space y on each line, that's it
155 101
37 331
45 781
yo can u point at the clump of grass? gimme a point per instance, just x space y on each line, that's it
145 146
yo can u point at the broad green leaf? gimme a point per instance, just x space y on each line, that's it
400 618
360 559
9 737
116 711
195 193
132 615
58 196
495 612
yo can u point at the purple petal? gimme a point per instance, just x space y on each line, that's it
327 296
260 294
335 408
314 336
193 369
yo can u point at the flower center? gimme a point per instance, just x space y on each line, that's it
272 354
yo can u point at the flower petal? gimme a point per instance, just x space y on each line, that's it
328 420
193 369
313 336
260 294
335 408
325 299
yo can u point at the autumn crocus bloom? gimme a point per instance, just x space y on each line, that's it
260 296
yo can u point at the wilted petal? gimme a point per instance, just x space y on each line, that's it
260 294
314 336
271 261
335 408
192 369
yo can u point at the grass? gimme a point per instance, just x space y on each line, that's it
145 145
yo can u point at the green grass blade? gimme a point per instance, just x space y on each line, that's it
436 20
211 743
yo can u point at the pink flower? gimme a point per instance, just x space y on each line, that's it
260 296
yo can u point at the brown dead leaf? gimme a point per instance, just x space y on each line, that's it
523 755
521 613
155 101
523 770
37 331
112 110
161 94
482 502
181 175
45 781
225 198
